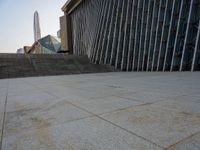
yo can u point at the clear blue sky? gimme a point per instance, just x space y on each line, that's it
16 21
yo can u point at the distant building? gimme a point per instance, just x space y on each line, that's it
134 35
37 32
46 45
58 34
27 49
20 51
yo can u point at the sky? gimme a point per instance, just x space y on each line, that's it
16 21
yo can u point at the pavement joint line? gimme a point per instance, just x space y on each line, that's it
182 140
101 98
27 130
121 109
101 118
4 116
145 103
117 125
94 115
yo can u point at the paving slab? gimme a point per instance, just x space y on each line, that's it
29 100
190 143
187 99
19 87
121 110
72 94
106 104
145 96
164 122
87 134
51 113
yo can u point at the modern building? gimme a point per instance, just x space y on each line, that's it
58 34
46 45
20 51
36 24
134 35
24 50
27 49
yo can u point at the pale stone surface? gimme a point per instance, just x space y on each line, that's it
106 104
3 94
50 114
87 134
34 100
163 123
125 110
191 143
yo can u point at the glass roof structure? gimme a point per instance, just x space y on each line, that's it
48 44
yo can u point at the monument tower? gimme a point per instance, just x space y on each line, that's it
37 33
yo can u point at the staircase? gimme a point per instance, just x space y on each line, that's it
20 65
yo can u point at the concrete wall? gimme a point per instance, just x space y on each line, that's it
63 34
66 34
139 35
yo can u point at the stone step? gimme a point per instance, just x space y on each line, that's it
19 65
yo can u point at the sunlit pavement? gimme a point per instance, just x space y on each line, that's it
108 111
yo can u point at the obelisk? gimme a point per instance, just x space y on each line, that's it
37 33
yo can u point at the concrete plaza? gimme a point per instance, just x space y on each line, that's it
106 111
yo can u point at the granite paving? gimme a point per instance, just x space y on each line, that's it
104 111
